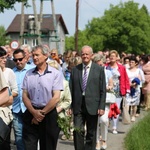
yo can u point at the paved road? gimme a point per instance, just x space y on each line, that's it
115 142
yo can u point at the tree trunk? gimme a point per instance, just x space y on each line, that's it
22 23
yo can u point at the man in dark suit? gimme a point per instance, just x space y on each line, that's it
88 99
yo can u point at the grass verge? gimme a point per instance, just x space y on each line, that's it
138 138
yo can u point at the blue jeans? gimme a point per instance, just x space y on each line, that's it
18 126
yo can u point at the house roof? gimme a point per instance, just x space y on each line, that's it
46 25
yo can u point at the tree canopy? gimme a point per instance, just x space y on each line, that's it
3 38
124 27
8 4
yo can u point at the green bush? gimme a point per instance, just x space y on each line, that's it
138 138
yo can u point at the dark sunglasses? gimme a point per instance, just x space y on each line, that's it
20 59
53 53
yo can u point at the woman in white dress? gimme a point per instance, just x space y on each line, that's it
133 98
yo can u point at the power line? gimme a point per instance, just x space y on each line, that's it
92 6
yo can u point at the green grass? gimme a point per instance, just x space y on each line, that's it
138 138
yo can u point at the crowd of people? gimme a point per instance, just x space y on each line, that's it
41 86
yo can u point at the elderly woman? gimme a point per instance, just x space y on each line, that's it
103 120
121 84
65 99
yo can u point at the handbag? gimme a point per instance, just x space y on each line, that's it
6 115
110 97
125 113
4 130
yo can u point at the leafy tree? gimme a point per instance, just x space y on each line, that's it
69 44
3 38
82 40
8 4
124 27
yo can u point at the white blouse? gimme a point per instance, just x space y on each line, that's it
11 79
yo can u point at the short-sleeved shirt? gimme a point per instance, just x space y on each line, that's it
3 83
40 87
20 74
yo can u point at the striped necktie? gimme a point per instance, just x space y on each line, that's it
84 78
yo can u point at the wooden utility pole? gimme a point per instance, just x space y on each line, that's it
76 26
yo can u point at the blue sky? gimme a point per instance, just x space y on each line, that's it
87 10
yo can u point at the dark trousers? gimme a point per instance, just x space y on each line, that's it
6 144
80 141
46 132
